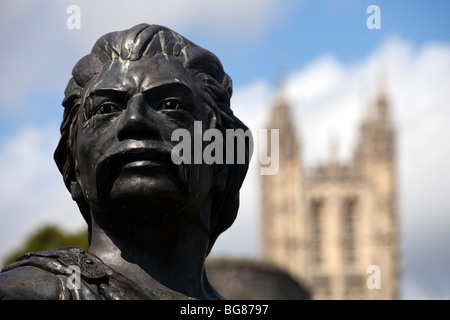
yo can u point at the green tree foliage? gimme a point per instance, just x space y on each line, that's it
49 237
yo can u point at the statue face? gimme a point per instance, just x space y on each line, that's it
123 146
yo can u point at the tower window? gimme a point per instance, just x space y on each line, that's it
354 284
322 284
316 219
349 216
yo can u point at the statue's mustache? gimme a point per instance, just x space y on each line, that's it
110 164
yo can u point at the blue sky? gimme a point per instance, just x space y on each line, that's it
315 28
326 56
297 33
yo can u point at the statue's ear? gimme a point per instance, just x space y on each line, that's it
75 190
75 187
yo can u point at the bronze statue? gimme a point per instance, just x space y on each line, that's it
151 222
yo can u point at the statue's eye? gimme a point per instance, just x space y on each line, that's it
171 104
107 107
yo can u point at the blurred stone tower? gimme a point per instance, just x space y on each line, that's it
283 194
335 228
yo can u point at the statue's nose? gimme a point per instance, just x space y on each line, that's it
139 121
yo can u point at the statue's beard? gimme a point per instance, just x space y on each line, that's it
106 177
187 179
186 176
188 198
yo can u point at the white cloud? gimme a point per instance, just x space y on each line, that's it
223 18
41 51
32 189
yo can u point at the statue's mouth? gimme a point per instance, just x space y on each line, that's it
140 154
144 164
132 155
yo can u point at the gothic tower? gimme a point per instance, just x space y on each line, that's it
334 226
282 209
375 162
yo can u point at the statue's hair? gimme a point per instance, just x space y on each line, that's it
210 80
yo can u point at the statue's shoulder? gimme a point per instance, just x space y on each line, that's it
29 283
69 273
46 275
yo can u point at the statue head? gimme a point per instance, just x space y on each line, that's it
121 106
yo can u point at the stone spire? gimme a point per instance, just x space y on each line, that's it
283 196
282 118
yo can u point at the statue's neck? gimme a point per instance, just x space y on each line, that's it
168 254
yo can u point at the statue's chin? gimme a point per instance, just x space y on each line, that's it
138 182
142 178
148 189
